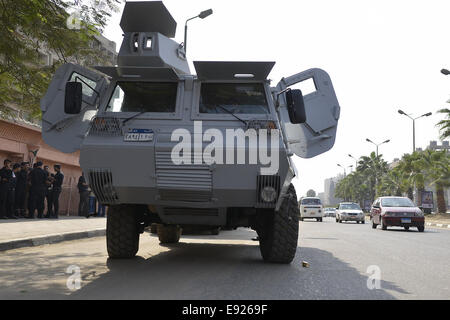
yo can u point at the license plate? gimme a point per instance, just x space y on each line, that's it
312 212
406 220
138 135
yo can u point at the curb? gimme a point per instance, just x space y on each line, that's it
440 225
49 239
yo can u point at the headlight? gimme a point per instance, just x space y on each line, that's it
268 194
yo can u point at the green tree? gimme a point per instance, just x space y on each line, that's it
372 168
310 193
30 26
436 166
444 124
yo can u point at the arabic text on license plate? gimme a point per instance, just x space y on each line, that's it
406 220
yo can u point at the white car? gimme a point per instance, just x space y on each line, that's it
330 212
349 211
311 208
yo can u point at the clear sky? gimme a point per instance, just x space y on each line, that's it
382 55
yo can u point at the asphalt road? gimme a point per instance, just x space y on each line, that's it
412 265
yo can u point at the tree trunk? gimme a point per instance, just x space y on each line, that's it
441 205
419 196
410 194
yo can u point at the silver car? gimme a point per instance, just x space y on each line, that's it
349 211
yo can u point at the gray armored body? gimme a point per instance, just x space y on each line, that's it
162 146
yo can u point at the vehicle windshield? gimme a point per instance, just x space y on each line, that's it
238 98
311 201
397 202
133 96
350 206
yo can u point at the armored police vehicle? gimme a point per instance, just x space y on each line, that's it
159 144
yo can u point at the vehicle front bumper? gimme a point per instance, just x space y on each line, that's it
397 221
312 214
352 218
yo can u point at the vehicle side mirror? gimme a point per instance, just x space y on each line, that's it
421 208
296 106
73 97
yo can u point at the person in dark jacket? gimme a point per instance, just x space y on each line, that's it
5 181
56 190
83 189
38 187
48 191
30 191
10 199
21 190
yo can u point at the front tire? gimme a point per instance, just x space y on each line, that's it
122 232
383 225
278 235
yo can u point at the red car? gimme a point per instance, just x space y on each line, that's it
396 211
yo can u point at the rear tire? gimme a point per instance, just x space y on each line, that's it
215 231
169 233
406 228
278 235
122 232
421 228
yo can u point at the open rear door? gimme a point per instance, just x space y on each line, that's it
63 131
318 134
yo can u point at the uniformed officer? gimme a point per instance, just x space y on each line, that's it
38 187
83 189
10 199
5 180
48 191
21 190
30 192
57 187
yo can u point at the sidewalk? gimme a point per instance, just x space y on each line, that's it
25 233
438 220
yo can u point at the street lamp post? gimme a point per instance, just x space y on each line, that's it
379 144
342 168
414 125
356 160
201 15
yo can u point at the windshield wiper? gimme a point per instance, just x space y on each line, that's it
132 117
228 111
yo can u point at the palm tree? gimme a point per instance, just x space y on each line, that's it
436 166
444 124
395 182
373 168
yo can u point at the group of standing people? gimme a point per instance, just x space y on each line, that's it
23 187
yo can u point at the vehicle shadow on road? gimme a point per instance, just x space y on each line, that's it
230 271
